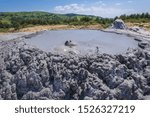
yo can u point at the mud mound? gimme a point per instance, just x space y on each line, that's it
119 24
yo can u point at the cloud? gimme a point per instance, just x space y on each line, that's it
101 3
118 4
100 9
130 1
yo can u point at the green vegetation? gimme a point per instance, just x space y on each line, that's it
10 21
136 18
18 20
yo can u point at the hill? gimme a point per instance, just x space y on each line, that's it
17 20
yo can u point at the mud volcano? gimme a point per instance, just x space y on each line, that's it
39 70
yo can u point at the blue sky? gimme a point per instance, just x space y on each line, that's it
104 8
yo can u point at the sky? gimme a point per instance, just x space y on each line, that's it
103 8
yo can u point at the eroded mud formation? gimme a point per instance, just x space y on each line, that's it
29 73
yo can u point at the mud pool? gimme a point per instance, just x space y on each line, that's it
88 41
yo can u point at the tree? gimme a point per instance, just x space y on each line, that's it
16 25
85 19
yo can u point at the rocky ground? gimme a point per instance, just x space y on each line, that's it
29 73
